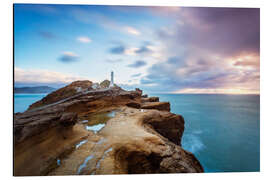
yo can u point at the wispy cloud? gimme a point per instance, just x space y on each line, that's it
205 52
137 64
132 30
131 51
84 39
68 57
118 49
32 76
143 49
136 75
47 35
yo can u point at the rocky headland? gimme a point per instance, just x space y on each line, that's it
89 128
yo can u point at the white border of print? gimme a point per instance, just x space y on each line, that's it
6 84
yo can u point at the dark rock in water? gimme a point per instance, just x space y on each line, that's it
146 140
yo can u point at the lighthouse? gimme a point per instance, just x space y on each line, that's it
112 82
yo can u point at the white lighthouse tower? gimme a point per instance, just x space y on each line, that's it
112 82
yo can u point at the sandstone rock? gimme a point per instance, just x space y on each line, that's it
134 105
139 90
144 96
133 142
163 106
62 93
105 84
146 140
150 99
68 119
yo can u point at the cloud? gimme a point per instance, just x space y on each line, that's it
224 31
68 57
143 49
47 35
41 76
132 31
118 50
213 48
137 64
104 21
132 51
84 39
136 75
246 61
180 73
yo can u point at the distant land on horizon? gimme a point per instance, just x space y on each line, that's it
33 90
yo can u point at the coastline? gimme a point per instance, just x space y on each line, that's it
158 149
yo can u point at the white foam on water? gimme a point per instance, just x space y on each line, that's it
101 141
192 143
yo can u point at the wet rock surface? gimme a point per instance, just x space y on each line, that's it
104 131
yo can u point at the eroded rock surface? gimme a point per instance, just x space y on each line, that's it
104 131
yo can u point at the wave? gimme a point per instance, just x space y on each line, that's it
192 142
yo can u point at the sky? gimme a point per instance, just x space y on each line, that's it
157 49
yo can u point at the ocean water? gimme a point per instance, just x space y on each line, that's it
223 131
22 101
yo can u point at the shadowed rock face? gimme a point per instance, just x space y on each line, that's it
143 136
150 99
163 106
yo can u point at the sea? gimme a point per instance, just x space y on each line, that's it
222 131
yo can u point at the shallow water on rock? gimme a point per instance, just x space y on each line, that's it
93 123
81 143
96 122
102 158
82 166
95 128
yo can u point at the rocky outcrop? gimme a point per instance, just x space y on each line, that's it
133 142
143 136
105 84
150 99
63 93
144 96
163 106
